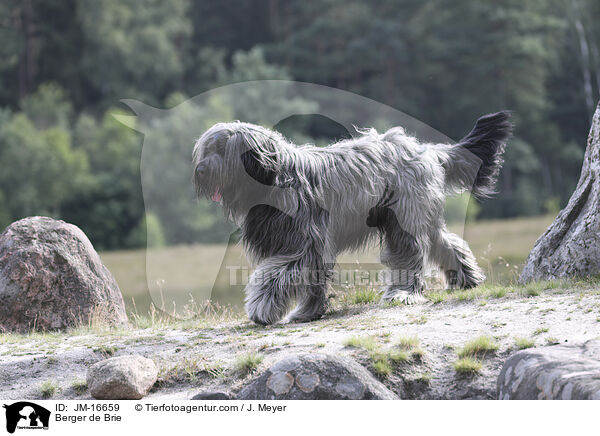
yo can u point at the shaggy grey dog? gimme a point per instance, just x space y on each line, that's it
298 207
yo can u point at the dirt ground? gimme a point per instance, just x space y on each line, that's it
194 356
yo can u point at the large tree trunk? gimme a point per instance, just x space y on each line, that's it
571 245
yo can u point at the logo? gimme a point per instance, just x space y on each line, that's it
26 415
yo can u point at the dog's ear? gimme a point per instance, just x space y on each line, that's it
256 169
259 155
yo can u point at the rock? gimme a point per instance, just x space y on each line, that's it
51 278
552 373
570 247
121 378
316 377
212 396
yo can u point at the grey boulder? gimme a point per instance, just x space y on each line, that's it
316 377
121 378
51 278
552 373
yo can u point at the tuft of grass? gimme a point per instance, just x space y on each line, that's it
362 296
470 294
551 340
478 346
498 292
247 363
214 370
437 297
49 388
417 353
424 378
467 365
382 361
364 342
540 330
523 343
79 386
399 356
106 350
408 342
382 367
418 320
188 370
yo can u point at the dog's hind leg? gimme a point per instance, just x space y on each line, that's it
404 257
456 260
271 288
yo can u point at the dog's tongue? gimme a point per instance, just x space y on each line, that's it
216 196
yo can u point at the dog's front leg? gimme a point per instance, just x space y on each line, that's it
405 258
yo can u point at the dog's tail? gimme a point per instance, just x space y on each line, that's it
474 162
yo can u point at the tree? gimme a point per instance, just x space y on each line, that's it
571 245
133 48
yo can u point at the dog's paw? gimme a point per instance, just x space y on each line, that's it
404 297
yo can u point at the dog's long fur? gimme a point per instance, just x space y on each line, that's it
298 207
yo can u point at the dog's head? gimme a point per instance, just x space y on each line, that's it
232 161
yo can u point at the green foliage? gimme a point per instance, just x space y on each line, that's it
133 48
39 168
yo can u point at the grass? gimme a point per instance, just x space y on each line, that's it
420 320
540 330
363 342
489 291
361 296
247 363
408 342
523 343
478 346
424 377
188 369
79 386
49 388
467 365
107 350
383 361
437 297
551 340
467 362
382 368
